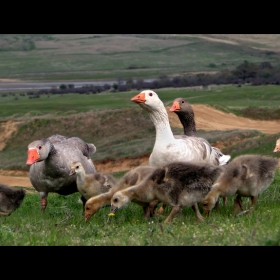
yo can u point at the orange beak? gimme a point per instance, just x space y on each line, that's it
32 156
175 106
139 98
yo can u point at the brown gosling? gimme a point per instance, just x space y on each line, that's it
91 184
178 184
130 178
245 176
10 199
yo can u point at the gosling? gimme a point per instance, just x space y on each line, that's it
130 178
10 199
245 176
92 184
178 184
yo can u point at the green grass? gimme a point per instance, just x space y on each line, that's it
120 128
63 224
58 57
228 98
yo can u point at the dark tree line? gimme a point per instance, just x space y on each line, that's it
246 72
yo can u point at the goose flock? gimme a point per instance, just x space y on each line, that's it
183 171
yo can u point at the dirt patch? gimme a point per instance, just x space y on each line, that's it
7 128
206 118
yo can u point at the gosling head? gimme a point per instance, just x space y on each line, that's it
92 206
208 204
75 168
118 200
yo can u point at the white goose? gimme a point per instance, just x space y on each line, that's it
168 147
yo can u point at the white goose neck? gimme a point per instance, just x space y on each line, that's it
162 125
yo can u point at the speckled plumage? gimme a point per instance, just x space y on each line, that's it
169 148
183 109
50 172
90 185
244 176
130 178
178 184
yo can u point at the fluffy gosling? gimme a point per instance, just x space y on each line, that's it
178 184
245 176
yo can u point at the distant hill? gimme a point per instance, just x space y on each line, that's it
88 57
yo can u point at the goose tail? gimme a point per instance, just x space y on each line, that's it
224 159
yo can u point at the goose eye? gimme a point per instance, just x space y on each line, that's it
150 94
183 101
77 167
40 147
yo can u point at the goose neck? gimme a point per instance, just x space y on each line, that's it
162 125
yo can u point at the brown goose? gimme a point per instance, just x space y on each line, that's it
10 199
183 109
50 160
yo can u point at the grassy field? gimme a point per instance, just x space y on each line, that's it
66 57
228 98
114 132
118 127
62 224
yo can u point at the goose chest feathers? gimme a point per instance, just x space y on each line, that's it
168 147
50 160
183 109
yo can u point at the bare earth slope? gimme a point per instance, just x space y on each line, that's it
206 117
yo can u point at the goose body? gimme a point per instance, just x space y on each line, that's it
183 109
169 148
50 160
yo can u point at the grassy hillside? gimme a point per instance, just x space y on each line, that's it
65 57
119 128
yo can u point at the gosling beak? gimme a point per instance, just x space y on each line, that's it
206 213
87 217
113 209
72 171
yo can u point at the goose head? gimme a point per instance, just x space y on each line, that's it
39 150
148 100
181 105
